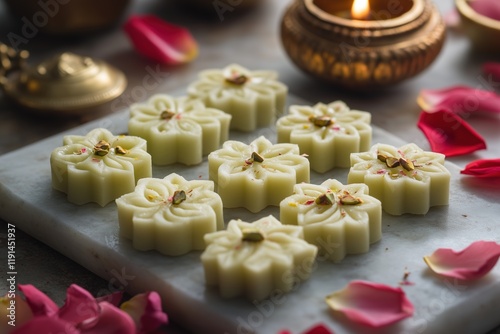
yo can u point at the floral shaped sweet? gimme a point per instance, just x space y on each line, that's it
171 215
327 133
256 175
405 179
253 98
254 259
339 219
99 167
178 129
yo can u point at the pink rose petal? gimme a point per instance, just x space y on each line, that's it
146 311
471 263
46 324
113 298
79 305
483 168
371 304
40 304
111 320
488 8
160 40
492 69
461 100
317 329
449 134
452 19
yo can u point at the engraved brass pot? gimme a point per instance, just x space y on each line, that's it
401 40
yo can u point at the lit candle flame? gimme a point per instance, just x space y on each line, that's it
360 9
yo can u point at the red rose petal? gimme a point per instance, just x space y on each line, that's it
483 168
160 40
488 8
461 100
471 263
449 134
492 69
319 329
371 304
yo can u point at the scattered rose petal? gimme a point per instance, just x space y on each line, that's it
492 69
39 303
145 310
317 329
471 263
488 8
110 320
483 168
449 134
461 100
371 304
46 324
160 40
78 300
113 298
452 19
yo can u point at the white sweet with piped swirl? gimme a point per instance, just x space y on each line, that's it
257 259
178 129
170 215
406 179
253 98
339 219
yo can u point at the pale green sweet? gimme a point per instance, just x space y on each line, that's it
99 167
178 129
339 219
255 259
327 133
258 174
253 98
171 215
410 180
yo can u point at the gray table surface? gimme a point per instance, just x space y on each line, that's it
249 38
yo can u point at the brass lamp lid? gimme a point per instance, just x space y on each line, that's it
66 83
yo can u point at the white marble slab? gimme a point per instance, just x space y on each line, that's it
88 234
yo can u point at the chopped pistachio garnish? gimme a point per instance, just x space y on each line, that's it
237 79
348 199
167 115
325 199
407 164
382 157
256 157
178 197
321 121
392 162
120 150
101 148
252 235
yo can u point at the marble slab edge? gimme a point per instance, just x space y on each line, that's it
135 271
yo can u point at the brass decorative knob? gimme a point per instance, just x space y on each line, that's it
362 54
65 84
